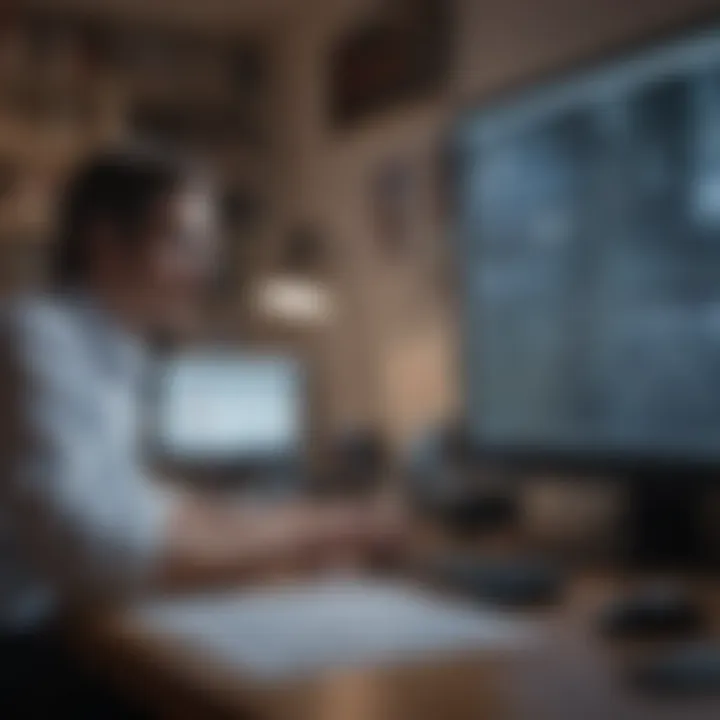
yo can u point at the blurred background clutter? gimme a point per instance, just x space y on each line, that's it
470 256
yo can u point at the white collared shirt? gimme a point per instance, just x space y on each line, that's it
78 516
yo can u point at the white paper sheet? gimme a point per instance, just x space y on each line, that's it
303 630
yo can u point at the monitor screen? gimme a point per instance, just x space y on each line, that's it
589 244
221 408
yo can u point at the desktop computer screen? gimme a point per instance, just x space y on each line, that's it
589 246
225 408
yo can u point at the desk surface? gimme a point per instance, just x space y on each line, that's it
150 651
570 674
578 674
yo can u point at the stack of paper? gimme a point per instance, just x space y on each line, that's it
303 630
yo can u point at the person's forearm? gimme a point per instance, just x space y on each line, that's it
210 545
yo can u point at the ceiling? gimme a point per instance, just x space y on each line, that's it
217 14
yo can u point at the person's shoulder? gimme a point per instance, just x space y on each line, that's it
40 323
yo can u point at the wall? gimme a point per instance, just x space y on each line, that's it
390 358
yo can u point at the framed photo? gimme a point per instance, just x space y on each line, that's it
399 56
394 205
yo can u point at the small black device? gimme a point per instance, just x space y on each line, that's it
445 484
515 583
654 612
691 670
445 487
357 463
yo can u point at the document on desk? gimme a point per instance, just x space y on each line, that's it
299 631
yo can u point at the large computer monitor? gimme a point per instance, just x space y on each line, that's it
230 410
589 247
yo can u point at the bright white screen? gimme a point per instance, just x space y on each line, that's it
222 407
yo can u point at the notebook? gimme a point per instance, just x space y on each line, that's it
297 631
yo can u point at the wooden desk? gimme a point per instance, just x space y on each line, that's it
571 675
176 681
576 674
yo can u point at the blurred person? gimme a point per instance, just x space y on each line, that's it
81 522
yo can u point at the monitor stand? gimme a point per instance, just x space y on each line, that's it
665 534
666 525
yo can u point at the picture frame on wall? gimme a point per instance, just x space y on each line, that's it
394 205
401 55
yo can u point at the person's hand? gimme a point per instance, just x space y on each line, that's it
389 534
361 535
213 544
311 536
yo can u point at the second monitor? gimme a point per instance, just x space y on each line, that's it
229 411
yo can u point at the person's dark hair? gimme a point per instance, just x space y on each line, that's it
117 189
